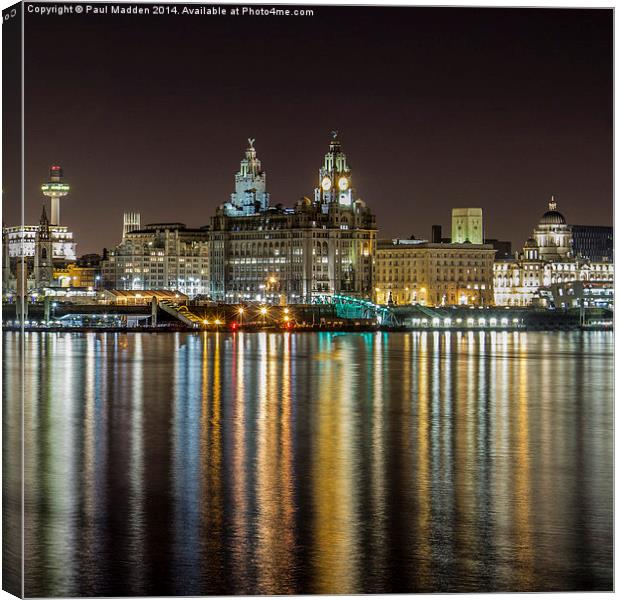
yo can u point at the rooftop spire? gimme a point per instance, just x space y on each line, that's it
334 144
43 219
553 204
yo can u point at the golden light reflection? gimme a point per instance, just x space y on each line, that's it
334 468
316 463
378 483
211 461
274 471
522 483
241 548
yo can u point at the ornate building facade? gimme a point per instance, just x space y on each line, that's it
440 274
277 254
159 256
547 260
31 253
22 251
250 195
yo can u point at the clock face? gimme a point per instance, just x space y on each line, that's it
343 183
326 184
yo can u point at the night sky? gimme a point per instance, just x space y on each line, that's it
436 108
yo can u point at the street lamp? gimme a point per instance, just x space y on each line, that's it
263 312
240 312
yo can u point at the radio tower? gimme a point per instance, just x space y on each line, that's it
55 189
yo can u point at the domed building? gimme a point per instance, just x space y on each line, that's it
552 235
547 260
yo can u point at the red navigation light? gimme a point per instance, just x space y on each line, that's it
55 168
234 326
288 325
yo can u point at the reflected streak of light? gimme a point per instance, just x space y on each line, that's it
136 470
446 442
423 476
18 410
213 509
522 513
33 392
379 520
286 470
240 546
59 475
91 497
274 485
335 500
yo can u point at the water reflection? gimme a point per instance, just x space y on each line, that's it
328 463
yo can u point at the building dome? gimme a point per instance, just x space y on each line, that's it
552 216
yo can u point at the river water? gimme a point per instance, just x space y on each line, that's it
276 463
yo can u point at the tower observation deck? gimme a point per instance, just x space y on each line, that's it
55 189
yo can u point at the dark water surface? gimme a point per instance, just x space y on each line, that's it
314 463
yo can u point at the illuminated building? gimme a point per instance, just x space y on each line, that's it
42 248
276 254
21 240
503 248
131 222
547 259
43 261
141 297
159 256
467 226
419 272
250 196
55 189
552 236
575 294
84 273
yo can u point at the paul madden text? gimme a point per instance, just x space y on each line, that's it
168 9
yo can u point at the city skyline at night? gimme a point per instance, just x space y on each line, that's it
307 299
440 108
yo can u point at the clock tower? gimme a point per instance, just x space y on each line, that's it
334 178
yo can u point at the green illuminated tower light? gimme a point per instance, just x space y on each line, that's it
55 189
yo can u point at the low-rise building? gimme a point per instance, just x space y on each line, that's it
578 294
160 256
140 297
419 272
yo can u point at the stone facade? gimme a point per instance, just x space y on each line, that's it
546 260
166 256
467 226
278 254
419 272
